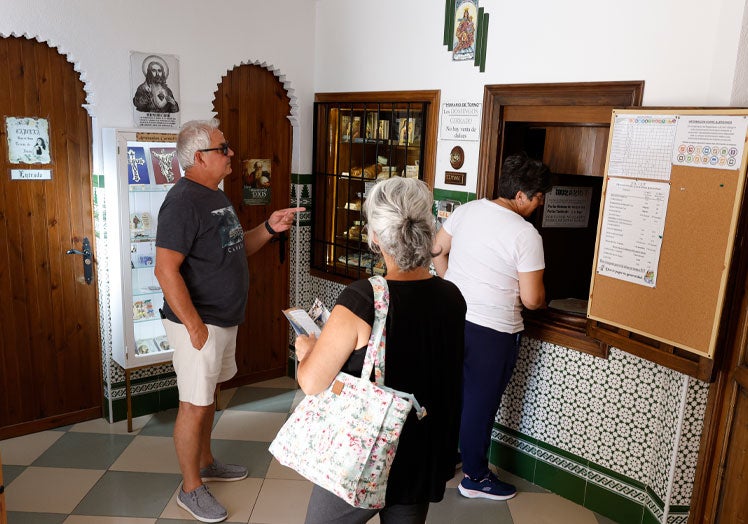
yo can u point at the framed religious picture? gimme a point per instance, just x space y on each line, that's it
465 24
165 165
154 82
256 181
137 169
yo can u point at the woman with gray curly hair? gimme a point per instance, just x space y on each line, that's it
425 336
399 214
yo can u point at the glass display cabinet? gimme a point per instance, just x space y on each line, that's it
361 139
140 168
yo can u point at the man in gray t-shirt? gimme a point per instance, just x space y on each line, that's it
201 265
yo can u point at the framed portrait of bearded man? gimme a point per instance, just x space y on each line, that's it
154 81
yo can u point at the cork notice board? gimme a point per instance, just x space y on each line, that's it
673 181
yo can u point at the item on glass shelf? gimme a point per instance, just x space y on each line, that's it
143 346
378 268
383 133
406 131
369 172
363 260
140 221
345 128
143 309
142 254
354 205
387 172
355 231
162 343
411 171
372 121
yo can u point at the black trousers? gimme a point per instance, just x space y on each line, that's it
490 357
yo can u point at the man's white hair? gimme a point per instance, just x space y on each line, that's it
193 136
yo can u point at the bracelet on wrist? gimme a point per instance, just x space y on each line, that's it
270 229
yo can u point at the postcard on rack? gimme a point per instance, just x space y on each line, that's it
137 169
142 254
143 310
165 165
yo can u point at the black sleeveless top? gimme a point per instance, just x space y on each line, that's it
425 343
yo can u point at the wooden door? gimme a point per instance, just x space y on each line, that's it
254 108
719 494
50 355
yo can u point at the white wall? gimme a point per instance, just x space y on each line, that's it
684 50
209 38
740 86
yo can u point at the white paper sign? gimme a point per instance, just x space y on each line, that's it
31 174
642 146
460 121
28 140
632 229
715 141
567 206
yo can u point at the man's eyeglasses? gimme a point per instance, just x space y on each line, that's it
223 148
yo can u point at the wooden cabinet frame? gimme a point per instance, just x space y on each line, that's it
574 104
326 243
432 116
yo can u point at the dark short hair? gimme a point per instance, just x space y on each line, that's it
522 173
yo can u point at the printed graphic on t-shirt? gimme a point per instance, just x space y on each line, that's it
228 227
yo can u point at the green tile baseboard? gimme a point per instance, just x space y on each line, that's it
595 487
149 395
460 196
302 178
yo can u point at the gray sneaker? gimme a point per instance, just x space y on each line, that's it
223 472
202 505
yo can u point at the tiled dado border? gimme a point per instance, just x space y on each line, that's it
461 196
151 396
597 488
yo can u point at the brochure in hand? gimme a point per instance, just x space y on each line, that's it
308 322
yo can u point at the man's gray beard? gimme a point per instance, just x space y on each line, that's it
156 80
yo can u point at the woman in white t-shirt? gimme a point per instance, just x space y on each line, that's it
495 257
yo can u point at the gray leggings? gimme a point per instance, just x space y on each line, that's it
326 508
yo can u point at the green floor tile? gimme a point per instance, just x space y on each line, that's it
84 450
273 400
22 517
161 424
254 455
11 472
128 494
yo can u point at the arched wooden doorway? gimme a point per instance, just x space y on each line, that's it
253 107
50 354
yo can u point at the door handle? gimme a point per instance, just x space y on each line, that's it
87 259
282 238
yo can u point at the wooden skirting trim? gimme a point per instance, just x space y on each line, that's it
665 355
43 424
